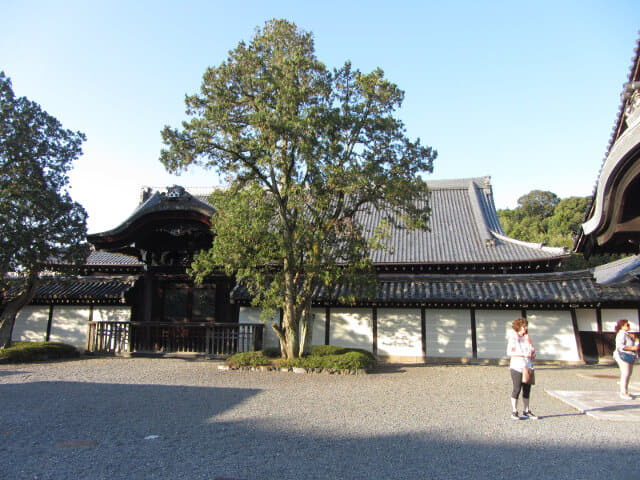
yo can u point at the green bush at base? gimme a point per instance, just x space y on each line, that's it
322 357
37 351
248 359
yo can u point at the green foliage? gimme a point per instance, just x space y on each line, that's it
323 357
323 350
248 359
542 217
38 219
305 150
272 352
343 359
22 352
39 222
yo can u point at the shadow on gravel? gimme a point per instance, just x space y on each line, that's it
54 430
6 373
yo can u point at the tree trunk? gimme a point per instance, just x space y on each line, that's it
11 309
306 330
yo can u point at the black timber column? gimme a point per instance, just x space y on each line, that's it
327 325
576 333
375 330
474 339
423 332
147 297
50 320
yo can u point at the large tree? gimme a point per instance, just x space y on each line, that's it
306 150
39 222
543 217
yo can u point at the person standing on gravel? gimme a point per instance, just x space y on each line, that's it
522 352
624 355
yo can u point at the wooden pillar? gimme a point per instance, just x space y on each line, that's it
474 338
375 330
147 298
576 332
327 325
47 335
423 332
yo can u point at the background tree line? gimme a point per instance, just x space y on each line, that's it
543 217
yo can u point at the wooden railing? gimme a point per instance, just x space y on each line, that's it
156 337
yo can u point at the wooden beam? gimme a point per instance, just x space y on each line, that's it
375 330
474 339
327 325
576 332
423 332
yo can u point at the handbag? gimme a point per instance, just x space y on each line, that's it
528 376
627 357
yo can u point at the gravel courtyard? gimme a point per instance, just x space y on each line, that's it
140 418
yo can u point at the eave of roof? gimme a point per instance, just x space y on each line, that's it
84 291
594 213
545 290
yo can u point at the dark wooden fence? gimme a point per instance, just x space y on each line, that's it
155 337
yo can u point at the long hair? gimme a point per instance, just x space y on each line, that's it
621 323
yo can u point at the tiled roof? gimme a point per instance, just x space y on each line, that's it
109 259
621 271
618 127
553 290
87 290
464 228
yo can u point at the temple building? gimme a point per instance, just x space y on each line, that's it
449 292
446 293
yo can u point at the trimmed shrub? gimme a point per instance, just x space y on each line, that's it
20 352
351 359
272 352
248 359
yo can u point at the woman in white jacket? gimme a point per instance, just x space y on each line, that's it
521 350
625 355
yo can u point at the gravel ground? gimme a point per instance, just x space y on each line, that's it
111 418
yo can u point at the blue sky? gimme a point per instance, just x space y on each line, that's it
526 92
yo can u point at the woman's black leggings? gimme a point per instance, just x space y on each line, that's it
516 378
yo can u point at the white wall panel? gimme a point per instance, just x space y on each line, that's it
31 324
252 315
552 334
352 327
69 325
111 314
448 333
587 319
399 332
319 321
492 328
610 317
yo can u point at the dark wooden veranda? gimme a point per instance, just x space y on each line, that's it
216 339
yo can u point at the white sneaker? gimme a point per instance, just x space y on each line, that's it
626 396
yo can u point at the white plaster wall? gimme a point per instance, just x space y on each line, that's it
252 315
610 317
399 332
31 324
448 333
111 314
319 324
552 335
587 319
69 325
352 327
492 329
